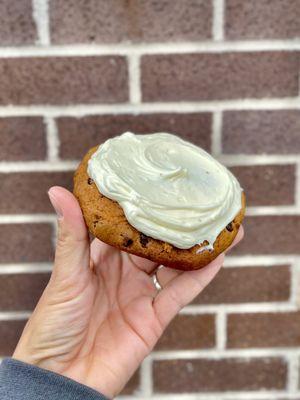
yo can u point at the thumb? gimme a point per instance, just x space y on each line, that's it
73 247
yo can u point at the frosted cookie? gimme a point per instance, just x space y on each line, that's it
159 197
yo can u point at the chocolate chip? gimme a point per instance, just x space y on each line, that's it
95 223
144 240
90 181
229 227
127 242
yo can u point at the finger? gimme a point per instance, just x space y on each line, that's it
183 289
143 264
103 257
100 250
72 249
165 274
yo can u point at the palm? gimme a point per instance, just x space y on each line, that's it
100 314
121 325
110 312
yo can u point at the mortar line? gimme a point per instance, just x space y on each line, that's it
134 78
218 20
50 217
28 268
52 139
80 110
262 261
41 18
77 50
216 137
14 315
295 281
37 166
293 373
16 268
272 210
226 354
221 330
238 308
263 159
27 218
297 185
146 377
230 161
299 82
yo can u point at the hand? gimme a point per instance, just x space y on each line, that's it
100 314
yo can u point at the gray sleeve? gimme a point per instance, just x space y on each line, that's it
19 380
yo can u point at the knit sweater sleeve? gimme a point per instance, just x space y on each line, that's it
19 380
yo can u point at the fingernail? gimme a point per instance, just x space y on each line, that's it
55 205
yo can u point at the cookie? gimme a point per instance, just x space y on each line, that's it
106 221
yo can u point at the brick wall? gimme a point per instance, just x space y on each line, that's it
223 74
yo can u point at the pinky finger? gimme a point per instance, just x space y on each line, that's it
181 290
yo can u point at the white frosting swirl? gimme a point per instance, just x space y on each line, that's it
168 188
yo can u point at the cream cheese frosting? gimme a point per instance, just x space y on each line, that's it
168 188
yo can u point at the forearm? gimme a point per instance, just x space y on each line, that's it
19 380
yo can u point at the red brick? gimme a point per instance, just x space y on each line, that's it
132 385
267 185
78 135
262 19
17 26
187 332
248 285
21 292
26 243
10 332
263 330
219 76
61 80
258 132
203 375
26 192
102 21
22 139
272 234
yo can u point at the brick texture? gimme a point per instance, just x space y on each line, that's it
188 332
258 132
102 21
21 292
219 76
180 376
60 80
10 332
32 191
25 243
22 139
248 285
270 235
84 82
78 135
263 330
262 19
267 185
16 23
